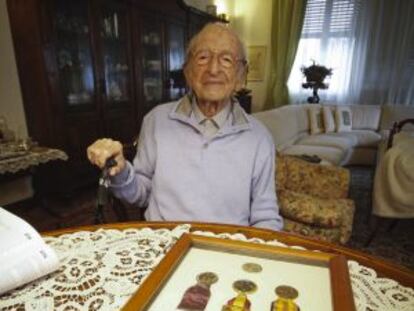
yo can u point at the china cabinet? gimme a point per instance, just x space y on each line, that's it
94 68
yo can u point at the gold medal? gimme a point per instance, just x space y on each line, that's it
286 292
285 300
244 286
252 267
207 278
241 301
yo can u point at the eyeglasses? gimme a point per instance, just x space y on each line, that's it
225 59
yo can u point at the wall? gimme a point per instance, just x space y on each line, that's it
252 21
11 103
11 107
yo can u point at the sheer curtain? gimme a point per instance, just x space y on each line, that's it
387 72
370 46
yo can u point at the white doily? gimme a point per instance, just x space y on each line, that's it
100 270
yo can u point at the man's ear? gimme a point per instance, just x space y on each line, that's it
187 74
241 77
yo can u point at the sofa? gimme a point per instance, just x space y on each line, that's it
290 127
313 199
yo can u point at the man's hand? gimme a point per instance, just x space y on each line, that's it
102 149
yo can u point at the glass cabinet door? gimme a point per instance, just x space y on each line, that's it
151 41
176 81
113 29
73 50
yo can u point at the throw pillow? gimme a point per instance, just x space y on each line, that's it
315 120
328 119
343 118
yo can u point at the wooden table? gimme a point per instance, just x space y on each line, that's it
101 266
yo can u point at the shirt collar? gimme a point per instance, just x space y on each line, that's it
183 111
219 119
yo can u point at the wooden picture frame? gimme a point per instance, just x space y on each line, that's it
161 279
256 58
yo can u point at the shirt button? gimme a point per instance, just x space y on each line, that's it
205 145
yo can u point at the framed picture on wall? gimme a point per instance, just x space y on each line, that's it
256 57
210 274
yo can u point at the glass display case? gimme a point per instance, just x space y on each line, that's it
176 57
152 48
73 48
113 32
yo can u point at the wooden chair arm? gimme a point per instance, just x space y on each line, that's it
396 128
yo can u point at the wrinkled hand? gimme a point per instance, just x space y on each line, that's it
104 148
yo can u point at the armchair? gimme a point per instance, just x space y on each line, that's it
313 199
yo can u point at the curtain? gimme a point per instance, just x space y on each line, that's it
287 21
369 44
387 71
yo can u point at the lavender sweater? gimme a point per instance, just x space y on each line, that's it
183 176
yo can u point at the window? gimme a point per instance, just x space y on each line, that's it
327 39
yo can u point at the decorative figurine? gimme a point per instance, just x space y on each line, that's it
284 302
196 297
241 302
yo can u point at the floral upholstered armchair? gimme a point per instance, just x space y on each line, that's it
313 199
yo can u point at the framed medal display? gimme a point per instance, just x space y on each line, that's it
206 273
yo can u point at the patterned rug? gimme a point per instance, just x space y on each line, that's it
397 244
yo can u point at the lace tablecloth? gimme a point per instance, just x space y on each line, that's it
100 270
21 160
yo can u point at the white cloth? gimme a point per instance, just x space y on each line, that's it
102 270
394 180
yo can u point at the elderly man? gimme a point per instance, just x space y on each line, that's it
201 158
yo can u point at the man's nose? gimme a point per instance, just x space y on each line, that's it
213 65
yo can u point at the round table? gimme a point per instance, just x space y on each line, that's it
102 266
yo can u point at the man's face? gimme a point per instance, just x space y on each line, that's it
213 70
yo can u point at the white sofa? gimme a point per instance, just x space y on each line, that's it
290 128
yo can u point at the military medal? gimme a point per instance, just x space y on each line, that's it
241 302
196 297
252 267
284 302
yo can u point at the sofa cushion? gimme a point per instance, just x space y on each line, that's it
343 118
329 140
331 154
360 138
328 119
315 120
282 124
365 117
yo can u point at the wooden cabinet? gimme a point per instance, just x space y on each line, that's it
94 68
